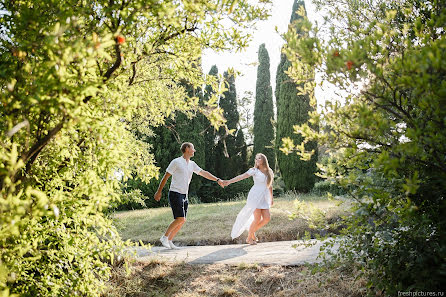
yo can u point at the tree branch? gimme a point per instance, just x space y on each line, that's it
29 157
115 65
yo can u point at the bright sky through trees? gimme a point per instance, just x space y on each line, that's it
246 61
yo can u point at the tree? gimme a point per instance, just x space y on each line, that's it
190 128
293 109
246 116
77 78
264 110
165 142
387 141
231 144
242 152
210 137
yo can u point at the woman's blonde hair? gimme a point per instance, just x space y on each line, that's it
269 173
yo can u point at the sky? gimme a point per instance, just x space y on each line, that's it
246 61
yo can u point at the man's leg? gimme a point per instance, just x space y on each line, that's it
179 205
179 210
174 227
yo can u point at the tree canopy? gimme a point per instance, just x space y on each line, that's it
79 81
264 110
387 141
293 109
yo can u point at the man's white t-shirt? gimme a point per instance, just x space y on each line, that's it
182 171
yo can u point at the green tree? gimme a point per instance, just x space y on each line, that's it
387 141
77 79
246 116
165 142
164 146
293 109
264 110
231 143
190 128
210 135
242 151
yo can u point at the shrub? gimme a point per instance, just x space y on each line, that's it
326 186
387 141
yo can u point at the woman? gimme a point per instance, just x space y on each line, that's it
255 214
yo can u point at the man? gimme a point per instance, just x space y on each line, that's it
181 170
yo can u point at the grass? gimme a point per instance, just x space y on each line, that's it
211 224
161 278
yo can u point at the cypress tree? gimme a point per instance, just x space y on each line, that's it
292 109
166 141
165 147
263 110
209 134
229 162
242 151
189 130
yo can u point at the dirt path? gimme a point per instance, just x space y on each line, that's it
267 253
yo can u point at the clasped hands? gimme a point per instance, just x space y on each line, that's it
223 183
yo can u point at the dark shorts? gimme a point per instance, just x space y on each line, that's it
179 203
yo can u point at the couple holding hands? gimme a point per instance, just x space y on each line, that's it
254 215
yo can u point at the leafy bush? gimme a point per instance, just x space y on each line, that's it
326 186
81 82
387 141
212 192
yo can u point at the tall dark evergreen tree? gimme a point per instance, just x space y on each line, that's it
230 148
292 109
189 130
166 141
264 110
209 134
242 155
165 147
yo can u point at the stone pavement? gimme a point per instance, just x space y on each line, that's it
265 253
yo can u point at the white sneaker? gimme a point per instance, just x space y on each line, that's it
172 246
165 241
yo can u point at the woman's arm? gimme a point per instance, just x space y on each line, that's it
237 178
271 192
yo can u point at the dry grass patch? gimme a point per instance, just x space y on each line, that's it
159 278
211 224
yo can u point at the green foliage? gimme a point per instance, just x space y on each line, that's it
82 83
264 111
231 148
292 109
190 128
242 152
212 192
387 141
325 186
210 137
165 142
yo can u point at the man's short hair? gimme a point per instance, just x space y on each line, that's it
185 145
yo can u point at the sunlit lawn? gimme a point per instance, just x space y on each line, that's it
211 223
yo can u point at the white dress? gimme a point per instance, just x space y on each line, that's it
258 197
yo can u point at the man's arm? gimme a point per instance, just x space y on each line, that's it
210 176
161 186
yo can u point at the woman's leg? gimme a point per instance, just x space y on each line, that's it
257 218
265 218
